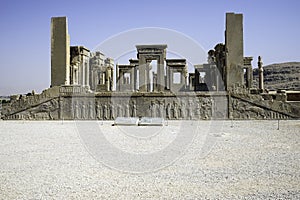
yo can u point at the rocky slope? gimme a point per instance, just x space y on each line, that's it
280 76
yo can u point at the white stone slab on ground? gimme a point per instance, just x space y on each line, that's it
151 121
126 121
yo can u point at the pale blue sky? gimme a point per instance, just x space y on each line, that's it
271 29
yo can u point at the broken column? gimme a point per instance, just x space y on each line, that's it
260 74
234 50
60 52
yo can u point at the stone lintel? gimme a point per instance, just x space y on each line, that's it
134 61
204 67
248 60
151 46
124 67
176 62
81 50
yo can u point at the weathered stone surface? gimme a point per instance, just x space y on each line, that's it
234 49
256 107
60 52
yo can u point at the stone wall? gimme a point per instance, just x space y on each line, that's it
110 105
244 106
76 102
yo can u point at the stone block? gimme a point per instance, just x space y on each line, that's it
148 121
126 121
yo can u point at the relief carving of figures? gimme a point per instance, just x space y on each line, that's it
168 111
119 110
179 110
243 110
259 112
112 111
46 108
183 109
152 109
133 113
76 111
161 109
206 108
127 110
104 111
283 106
190 110
198 113
98 111
175 111
210 106
91 111
83 111
203 112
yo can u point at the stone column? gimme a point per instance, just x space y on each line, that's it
60 52
160 74
117 78
87 72
148 75
142 74
168 77
260 74
111 85
234 49
132 80
135 78
249 77
82 74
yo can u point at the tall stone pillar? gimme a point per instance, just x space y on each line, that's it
87 72
249 71
160 74
142 75
60 52
260 74
117 78
148 75
234 50
132 80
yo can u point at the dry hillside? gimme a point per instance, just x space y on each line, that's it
280 76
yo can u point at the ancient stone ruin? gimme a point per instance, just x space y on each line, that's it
88 85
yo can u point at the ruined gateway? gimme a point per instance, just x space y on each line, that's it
83 85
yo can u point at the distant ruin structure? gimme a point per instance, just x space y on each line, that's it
88 85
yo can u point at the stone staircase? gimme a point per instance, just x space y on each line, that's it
254 107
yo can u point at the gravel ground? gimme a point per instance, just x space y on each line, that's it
224 160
